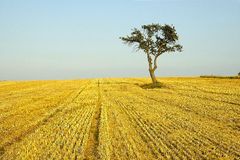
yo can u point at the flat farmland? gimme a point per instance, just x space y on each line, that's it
120 118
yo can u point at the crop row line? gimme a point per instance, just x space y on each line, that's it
221 146
44 120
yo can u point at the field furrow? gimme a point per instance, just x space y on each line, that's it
54 127
33 117
120 118
215 149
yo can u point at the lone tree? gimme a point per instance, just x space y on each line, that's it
154 40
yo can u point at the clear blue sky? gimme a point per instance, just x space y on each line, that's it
56 39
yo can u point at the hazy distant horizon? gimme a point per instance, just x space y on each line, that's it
72 39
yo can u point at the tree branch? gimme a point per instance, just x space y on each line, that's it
149 61
155 61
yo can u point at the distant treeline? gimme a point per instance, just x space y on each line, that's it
223 77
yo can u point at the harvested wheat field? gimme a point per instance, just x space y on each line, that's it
187 118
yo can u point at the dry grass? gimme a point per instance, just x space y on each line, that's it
184 118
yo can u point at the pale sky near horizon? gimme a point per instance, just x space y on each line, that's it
70 39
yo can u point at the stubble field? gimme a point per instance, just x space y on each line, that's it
188 118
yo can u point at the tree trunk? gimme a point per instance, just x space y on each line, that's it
151 69
153 77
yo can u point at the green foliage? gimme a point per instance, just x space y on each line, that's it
154 39
220 77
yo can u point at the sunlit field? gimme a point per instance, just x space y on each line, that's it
187 118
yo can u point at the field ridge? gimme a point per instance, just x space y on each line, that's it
91 151
117 118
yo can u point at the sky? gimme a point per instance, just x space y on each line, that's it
72 39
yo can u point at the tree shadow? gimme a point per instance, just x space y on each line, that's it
152 86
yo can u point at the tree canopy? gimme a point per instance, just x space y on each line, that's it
154 40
